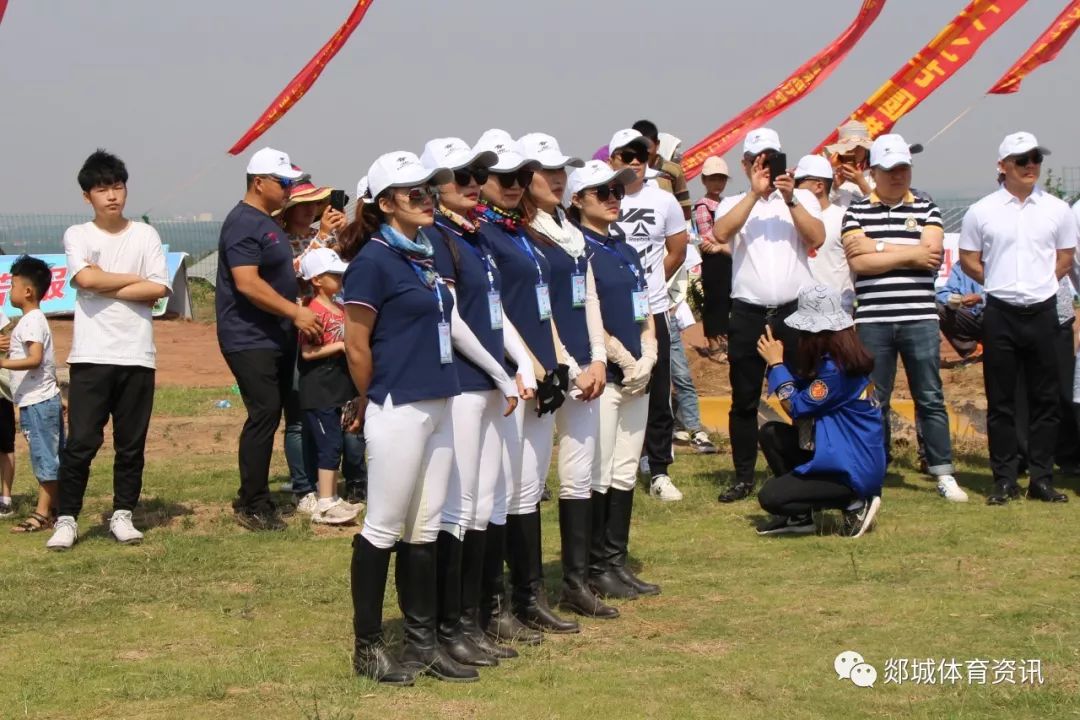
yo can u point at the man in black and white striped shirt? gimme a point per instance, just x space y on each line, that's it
893 242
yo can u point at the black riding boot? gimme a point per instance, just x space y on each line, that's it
370 566
451 634
472 580
527 595
575 517
601 579
495 617
620 508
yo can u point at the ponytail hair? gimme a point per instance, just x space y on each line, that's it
369 218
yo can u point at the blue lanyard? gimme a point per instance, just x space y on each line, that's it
484 258
622 259
522 242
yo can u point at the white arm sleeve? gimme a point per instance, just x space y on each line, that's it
594 320
562 355
470 347
518 354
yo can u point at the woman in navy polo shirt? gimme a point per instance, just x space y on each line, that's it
526 298
580 327
596 191
397 339
482 338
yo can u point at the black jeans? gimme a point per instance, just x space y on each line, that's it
124 392
716 289
660 428
265 380
962 328
1020 343
747 371
789 494
1067 450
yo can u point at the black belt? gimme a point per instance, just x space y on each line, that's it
1033 309
765 310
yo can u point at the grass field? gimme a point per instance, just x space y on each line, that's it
207 620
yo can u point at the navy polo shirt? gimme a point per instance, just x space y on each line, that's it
405 339
472 286
251 237
519 288
613 265
569 320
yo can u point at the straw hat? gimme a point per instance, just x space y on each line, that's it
305 191
850 135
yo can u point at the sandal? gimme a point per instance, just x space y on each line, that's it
35 522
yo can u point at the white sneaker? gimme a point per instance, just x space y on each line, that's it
307 504
338 512
65 533
948 489
663 489
121 528
681 436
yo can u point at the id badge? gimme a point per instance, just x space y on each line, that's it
495 310
543 301
577 284
641 305
446 353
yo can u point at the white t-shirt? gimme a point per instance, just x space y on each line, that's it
110 331
770 264
646 220
829 264
29 387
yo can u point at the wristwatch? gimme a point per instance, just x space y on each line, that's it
879 246
793 202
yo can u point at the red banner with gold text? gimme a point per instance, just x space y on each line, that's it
1045 49
932 66
801 82
303 80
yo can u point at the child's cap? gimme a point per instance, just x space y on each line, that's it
321 260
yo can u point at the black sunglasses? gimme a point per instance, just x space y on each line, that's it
605 192
417 195
285 183
629 155
1035 157
464 176
522 177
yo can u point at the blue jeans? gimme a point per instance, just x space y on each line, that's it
918 345
685 395
43 425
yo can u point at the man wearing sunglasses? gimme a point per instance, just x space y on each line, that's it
256 315
652 222
1019 242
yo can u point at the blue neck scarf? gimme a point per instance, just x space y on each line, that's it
419 252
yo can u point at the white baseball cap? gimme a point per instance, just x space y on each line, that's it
760 140
402 169
321 260
714 166
455 153
813 166
507 150
623 138
269 161
1018 144
544 149
595 173
888 151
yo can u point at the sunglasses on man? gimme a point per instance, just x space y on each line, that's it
605 192
464 176
1034 157
628 155
285 183
522 178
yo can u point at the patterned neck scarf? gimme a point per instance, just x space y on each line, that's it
508 219
419 252
468 223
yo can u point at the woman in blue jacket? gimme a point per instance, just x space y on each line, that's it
833 456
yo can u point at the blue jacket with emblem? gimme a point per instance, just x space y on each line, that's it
849 438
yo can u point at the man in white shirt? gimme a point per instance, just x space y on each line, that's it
772 227
652 222
828 264
1018 243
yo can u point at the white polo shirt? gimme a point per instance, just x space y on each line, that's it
1019 243
829 264
770 263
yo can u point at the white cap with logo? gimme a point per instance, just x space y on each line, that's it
402 169
269 161
888 151
319 261
714 166
623 138
1018 144
544 149
507 150
760 140
455 153
595 173
813 166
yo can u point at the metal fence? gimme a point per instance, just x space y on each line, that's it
44 234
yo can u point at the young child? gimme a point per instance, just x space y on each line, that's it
33 385
118 269
7 426
325 386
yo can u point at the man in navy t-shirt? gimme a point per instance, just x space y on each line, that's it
256 313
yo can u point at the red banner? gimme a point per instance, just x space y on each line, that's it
932 66
303 80
1045 49
3 7
796 87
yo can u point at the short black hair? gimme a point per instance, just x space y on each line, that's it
102 169
648 129
36 271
